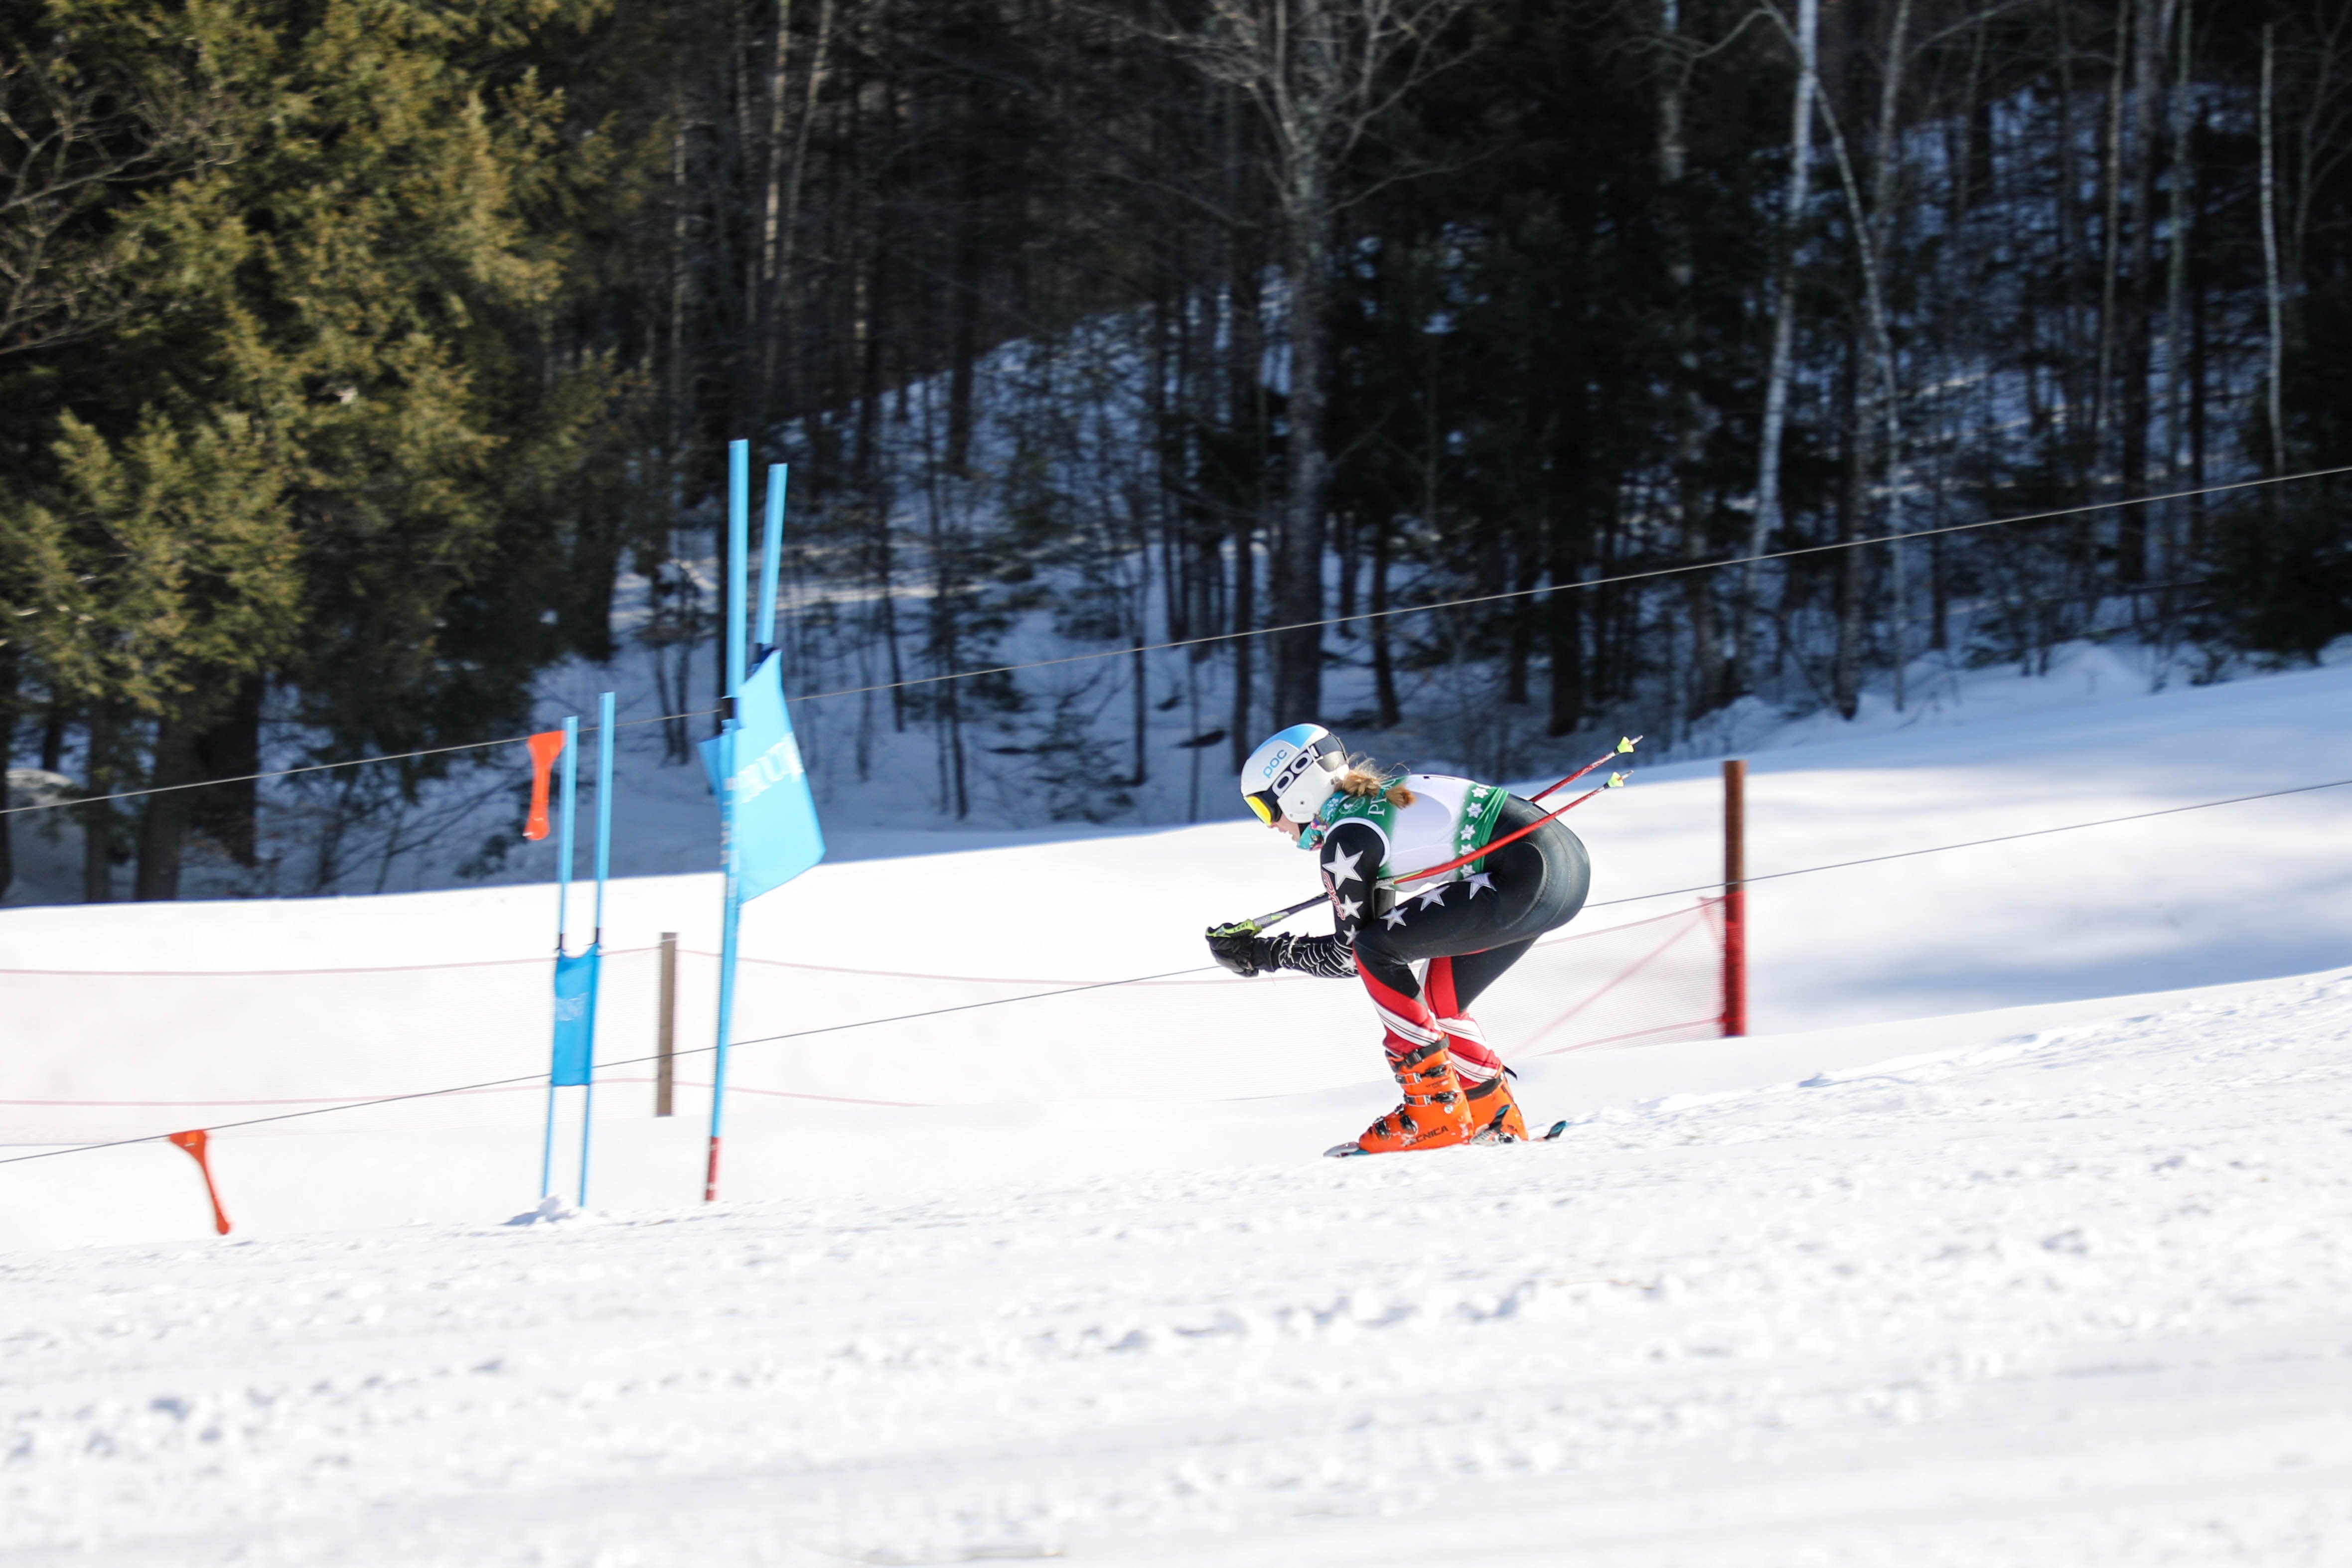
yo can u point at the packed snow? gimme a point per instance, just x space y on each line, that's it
2019 1235
2069 1296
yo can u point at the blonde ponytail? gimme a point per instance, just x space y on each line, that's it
1364 780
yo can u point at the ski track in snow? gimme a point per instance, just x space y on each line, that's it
2074 1298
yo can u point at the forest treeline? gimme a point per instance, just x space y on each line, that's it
353 352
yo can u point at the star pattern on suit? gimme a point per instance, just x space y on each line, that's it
1342 867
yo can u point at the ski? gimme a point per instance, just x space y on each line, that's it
1348 1151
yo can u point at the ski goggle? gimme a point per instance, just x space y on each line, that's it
1263 803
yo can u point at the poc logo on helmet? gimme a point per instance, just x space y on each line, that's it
1292 769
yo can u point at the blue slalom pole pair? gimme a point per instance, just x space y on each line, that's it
578 977
739 530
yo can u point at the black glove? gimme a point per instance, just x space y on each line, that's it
1323 956
1243 953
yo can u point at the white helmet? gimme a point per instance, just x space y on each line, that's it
1293 773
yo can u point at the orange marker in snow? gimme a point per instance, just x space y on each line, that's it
195 1142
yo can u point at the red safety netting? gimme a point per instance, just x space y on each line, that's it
94 1053
1643 983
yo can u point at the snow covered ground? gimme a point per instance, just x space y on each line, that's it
1905 1279
2072 1297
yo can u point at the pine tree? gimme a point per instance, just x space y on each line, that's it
321 447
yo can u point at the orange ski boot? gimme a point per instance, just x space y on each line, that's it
1494 1112
1433 1116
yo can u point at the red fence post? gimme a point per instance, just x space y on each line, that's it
1735 896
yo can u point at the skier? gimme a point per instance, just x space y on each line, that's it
1373 831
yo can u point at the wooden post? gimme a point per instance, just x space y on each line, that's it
664 1068
1735 896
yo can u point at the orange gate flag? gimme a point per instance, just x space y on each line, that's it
545 747
195 1142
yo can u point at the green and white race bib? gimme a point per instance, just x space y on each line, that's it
1448 817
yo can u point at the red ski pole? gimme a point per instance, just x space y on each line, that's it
1616 781
1625 747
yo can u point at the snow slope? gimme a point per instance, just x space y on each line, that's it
2070 1298
2201 898
1902 1280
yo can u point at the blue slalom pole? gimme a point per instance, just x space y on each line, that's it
563 848
562 917
738 547
739 530
772 558
730 919
596 943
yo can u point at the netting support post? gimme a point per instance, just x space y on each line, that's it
666 1030
1735 896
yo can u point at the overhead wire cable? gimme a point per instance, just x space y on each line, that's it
1977 843
329 767
1677 570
